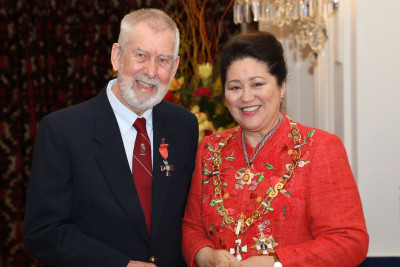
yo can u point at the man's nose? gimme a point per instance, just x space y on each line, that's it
150 68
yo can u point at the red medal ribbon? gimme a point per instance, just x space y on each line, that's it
163 150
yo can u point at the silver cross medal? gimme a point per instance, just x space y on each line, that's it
167 168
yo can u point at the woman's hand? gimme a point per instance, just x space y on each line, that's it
255 261
208 257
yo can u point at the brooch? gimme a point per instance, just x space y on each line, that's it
164 154
264 246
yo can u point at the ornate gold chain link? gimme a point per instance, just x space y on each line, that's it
266 203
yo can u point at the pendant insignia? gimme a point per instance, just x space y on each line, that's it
264 246
238 249
246 176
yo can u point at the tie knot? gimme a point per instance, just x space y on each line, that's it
140 125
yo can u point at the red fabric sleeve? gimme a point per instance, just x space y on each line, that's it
193 232
334 211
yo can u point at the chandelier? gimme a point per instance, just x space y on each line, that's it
304 18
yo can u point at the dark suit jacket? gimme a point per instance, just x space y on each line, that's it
82 206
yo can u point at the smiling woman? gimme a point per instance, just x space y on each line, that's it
253 98
271 191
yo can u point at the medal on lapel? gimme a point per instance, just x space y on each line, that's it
164 154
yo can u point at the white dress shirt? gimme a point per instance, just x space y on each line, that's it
126 118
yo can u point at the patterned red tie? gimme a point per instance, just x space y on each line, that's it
141 168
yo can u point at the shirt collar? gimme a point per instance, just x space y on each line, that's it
124 115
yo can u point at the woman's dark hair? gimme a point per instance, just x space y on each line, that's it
262 46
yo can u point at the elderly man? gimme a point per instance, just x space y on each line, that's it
110 176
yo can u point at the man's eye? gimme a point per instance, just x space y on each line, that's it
164 60
141 57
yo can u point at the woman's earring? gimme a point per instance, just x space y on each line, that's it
282 99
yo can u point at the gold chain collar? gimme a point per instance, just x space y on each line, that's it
240 227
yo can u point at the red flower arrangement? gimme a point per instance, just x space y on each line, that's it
203 91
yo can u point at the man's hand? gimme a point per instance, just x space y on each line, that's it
140 264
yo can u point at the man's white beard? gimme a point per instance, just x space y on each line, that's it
137 99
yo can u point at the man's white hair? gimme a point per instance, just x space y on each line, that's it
156 19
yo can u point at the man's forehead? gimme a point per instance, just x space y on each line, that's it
145 51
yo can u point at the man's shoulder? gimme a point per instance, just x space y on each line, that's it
78 114
173 111
74 110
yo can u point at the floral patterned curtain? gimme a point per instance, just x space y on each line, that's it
54 53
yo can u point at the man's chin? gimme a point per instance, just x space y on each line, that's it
139 106
144 106
146 91
144 101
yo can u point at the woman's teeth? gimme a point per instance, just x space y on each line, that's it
250 108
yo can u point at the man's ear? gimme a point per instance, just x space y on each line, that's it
176 65
115 56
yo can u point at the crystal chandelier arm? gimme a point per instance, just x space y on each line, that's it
305 18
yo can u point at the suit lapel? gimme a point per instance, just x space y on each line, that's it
161 129
114 165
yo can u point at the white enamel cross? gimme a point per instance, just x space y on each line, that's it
238 249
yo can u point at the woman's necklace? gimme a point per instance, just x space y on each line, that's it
247 173
242 224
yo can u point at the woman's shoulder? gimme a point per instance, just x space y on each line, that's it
314 136
309 130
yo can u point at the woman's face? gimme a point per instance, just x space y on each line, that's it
252 95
